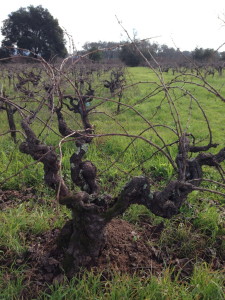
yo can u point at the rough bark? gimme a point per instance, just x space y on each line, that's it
10 111
86 232
12 126
47 156
83 173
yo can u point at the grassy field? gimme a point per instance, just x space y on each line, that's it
193 238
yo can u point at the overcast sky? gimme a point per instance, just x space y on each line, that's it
186 24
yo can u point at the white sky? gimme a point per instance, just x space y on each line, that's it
188 24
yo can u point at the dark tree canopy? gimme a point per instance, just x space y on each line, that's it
4 53
95 54
204 55
35 29
130 56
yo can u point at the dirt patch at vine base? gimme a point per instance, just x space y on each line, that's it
127 250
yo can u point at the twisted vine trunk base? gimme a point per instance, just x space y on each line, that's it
83 237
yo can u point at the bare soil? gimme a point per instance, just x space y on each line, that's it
129 249
11 198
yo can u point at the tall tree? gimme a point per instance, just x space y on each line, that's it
34 29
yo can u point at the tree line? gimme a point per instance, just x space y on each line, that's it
127 52
34 32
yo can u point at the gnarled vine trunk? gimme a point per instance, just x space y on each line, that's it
83 237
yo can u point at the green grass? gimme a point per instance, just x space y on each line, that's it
107 149
26 219
199 227
204 284
11 283
210 222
